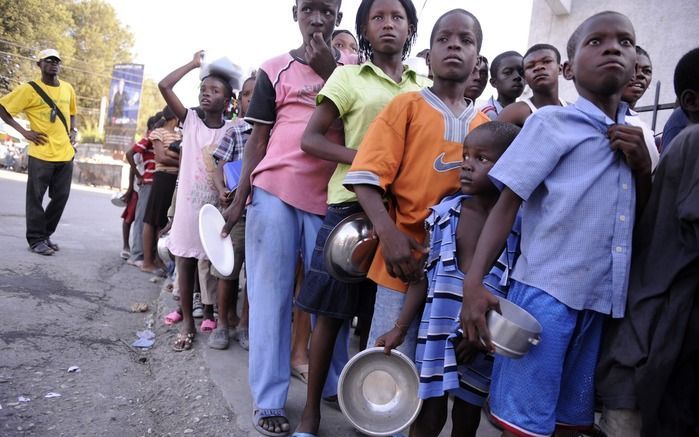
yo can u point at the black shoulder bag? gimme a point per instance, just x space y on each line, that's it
55 112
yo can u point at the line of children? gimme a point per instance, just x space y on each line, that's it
354 94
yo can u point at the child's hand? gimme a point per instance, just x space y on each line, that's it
166 229
397 249
476 302
390 340
197 59
465 352
232 214
224 198
320 56
629 140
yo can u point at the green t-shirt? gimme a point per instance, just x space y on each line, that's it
360 92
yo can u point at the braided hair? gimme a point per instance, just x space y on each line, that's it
366 52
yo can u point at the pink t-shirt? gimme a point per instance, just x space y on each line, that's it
195 184
284 96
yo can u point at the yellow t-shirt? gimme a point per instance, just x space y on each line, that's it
24 99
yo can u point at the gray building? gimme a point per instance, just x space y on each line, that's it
666 29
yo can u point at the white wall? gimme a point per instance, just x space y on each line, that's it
666 29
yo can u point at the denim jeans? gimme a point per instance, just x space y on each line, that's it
275 234
137 226
387 308
41 176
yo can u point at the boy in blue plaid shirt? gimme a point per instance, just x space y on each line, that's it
231 149
579 173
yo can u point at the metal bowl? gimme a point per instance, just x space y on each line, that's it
350 248
513 331
163 251
378 393
117 200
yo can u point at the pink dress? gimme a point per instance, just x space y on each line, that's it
195 184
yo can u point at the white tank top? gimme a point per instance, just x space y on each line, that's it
533 108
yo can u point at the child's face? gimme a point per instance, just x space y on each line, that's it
605 56
317 16
508 77
479 157
246 95
477 80
638 85
541 70
213 95
454 49
387 27
345 43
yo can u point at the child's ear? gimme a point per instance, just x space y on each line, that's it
689 101
295 12
492 81
568 70
338 20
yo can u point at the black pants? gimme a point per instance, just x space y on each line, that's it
42 175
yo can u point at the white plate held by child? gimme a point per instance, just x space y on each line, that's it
218 249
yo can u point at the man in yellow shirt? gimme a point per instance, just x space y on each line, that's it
50 105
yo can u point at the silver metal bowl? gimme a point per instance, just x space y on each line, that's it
513 331
117 199
350 248
163 251
378 393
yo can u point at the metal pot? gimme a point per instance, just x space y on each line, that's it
350 248
163 251
513 331
378 393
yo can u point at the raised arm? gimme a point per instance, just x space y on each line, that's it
255 150
314 141
397 248
477 300
166 85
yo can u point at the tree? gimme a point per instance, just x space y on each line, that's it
87 33
151 102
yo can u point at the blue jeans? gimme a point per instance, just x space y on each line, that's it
137 226
275 234
387 308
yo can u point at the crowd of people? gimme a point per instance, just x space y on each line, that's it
563 208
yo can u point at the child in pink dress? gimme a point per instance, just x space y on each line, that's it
201 135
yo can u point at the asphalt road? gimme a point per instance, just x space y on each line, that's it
74 309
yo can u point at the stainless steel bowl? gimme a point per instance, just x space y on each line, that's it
117 200
163 251
350 248
378 393
513 331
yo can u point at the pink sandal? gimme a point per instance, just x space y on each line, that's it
172 318
208 325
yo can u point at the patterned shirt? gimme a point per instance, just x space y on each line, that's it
233 142
145 148
578 214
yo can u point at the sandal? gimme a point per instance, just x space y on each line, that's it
173 317
259 415
183 342
208 325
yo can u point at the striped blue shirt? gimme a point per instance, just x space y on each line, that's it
578 214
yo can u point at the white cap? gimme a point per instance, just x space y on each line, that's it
49 53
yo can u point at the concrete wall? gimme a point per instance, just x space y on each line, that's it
667 29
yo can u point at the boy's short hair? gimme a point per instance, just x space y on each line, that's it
153 120
687 72
223 79
538 47
477 24
498 59
336 32
641 52
502 133
574 39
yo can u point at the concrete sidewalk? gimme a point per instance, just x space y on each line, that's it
229 371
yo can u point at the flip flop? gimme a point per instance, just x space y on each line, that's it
258 415
172 318
183 342
300 372
208 325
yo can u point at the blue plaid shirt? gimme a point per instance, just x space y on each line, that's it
578 214
233 142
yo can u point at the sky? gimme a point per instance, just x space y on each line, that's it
168 33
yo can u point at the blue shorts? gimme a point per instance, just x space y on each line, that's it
553 384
